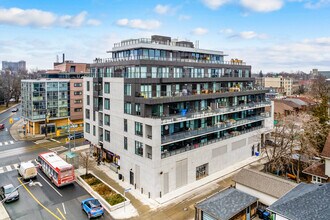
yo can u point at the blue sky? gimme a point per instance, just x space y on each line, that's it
270 35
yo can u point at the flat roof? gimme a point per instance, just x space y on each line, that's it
55 160
46 80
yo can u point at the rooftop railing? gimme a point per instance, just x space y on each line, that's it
173 59
166 154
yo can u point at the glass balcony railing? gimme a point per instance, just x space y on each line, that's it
209 112
174 59
187 93
166 154
215 128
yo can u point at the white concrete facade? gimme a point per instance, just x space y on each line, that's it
155 177
263 198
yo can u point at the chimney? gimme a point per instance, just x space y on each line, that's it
63 58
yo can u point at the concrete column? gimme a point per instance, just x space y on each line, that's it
34 128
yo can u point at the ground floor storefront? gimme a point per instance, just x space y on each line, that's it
56 127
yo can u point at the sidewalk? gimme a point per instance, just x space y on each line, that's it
13 106
151 208
3 213
16 131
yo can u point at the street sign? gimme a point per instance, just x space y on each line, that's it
11 120
126 190
16 119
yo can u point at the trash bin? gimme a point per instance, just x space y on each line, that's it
120 176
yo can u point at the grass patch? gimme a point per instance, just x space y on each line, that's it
103 190
3 107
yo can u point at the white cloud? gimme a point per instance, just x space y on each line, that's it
227 31
38 18
139 24
215 4
199 31
262 5
316 4
251 35
184 17
302 55
162 9
93 22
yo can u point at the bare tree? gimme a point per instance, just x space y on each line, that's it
295 139
7 87
85 161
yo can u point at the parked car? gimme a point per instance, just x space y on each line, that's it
14 110
27 170
76 136
92 207
8 193
2 126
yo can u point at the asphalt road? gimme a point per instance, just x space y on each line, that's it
46 201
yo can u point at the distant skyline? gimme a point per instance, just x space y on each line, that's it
270 35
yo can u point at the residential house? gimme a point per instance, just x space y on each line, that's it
319 172
228 204
266 187
305 201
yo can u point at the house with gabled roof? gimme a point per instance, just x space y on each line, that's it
306 201
319 172
266 187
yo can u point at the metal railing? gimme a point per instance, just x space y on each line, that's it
195 146
173 59
217 127
210 112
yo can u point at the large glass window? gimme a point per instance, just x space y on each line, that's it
107 104
88 100
107 119
146 91
139 148
143 72
128 108
177 73
138 129
107 87
87 112
87 128
107 136
128 89
125 125
125 143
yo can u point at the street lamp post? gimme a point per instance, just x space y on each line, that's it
31 183
126 190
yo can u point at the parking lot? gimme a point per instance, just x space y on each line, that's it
45 200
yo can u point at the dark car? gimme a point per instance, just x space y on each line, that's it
8 193
76 136
14 110
2 126
92 207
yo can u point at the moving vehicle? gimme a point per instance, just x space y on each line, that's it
2 126
8 193
27 170
58 171
92 207
14 110
76 136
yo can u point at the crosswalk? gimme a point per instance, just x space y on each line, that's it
4 143
46 141
11 167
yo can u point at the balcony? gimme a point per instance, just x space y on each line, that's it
166 154
171 59
211 129
210 112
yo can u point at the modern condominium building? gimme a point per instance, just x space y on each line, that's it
167 114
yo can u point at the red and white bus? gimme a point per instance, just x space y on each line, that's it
59 171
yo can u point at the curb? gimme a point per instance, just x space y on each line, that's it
105 204
9 108
3 213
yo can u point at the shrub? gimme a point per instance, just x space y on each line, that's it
103 190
